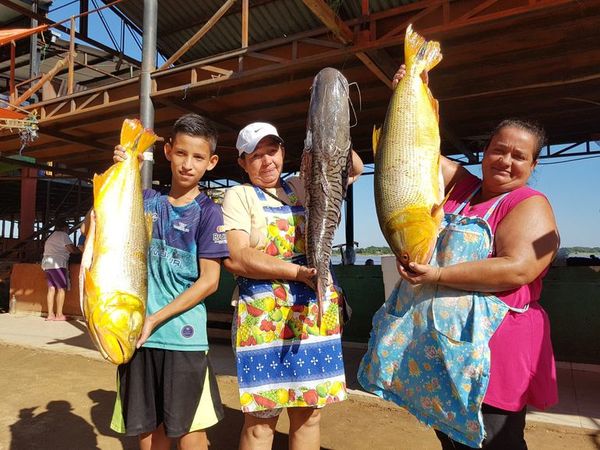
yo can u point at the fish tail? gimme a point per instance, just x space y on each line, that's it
420 54
144 142
134 138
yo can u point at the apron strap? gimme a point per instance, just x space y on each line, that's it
494 205
260 193
519 310
460 207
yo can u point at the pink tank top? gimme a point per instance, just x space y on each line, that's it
522 361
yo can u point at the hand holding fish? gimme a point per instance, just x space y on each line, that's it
402 71
148 328
307 275
120 155
420 273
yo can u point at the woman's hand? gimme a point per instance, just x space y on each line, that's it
402 72
420 273
307 276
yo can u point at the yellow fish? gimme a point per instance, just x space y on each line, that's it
409 189
113 276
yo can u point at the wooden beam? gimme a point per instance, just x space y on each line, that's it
12 88
196 37
458 144
47 77
190 107
245 17
331 20
43 19
74 139
345 35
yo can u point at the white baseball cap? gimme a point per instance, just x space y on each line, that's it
251 135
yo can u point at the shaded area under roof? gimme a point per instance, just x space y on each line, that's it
512 58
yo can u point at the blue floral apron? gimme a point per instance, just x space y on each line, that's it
284 359
428 350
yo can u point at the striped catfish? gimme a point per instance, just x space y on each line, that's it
325 168
409 190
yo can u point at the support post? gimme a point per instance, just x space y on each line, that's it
349 253
34 67
28 191
148 66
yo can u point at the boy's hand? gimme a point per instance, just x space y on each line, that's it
119 154
149 325
402 72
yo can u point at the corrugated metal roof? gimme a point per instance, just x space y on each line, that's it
178 22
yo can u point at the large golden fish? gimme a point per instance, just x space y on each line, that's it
409 189
113 277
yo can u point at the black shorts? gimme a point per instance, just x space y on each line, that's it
175 388
504 430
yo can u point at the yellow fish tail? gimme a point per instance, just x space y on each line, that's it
420 54
130 132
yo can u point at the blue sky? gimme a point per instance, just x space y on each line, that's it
573 188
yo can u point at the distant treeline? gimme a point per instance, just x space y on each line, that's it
374 251
580 249
563 251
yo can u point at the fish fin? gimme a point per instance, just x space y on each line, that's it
86 261
100 180
438 210
149 224
376 134
89 287
346 173
423 54
305 165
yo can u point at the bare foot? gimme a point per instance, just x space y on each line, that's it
61 317
51 317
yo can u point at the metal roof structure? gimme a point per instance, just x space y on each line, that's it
535 59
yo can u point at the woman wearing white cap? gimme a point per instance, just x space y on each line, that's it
284 359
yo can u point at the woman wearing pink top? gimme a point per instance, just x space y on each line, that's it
501 289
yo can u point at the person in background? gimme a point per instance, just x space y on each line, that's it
55 263
369 262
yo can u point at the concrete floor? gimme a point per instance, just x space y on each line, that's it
579 384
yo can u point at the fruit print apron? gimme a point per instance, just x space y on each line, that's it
428 350
284 359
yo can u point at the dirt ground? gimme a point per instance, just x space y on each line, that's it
57 401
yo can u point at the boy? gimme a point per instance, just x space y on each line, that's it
168 389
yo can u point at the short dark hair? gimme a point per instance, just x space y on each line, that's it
60 225
196 125
531 126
